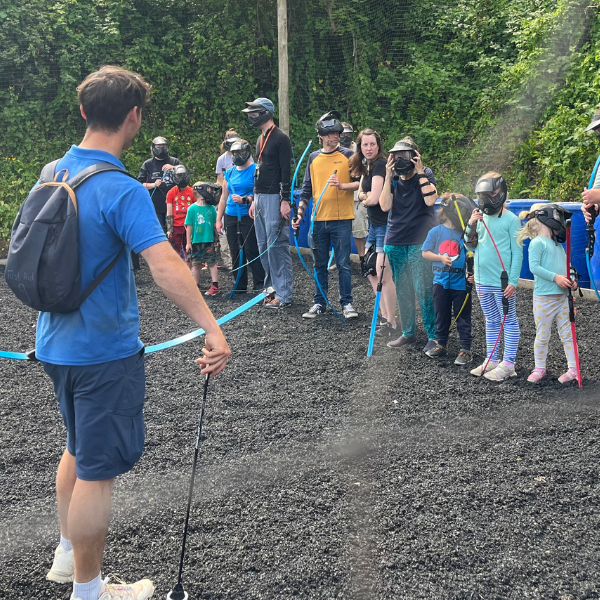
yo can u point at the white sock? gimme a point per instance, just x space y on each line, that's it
89 590
66 544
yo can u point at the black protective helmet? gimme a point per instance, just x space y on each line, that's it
346 135
259 112
594 125
330 122
465 205
492 194
160 153
368 262
241 152
554 216
403 153
211 192
230 140
181 176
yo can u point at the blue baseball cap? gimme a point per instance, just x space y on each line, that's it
258 104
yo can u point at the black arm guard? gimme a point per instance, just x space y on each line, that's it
470 237
284 192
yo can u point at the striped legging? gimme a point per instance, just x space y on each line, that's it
490 298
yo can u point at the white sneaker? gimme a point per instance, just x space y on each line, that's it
140 590
63 567
500 373
314 311
478 371
349 312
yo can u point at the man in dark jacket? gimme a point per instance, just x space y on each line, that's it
272 207
152 173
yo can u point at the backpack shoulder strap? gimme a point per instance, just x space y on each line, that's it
92 286
48 171
100 167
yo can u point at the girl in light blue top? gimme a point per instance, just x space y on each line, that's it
492 235
548 262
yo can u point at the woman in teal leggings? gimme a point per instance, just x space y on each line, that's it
409 193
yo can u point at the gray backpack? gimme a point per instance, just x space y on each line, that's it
42 267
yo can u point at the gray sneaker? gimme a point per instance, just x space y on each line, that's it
401 341
349 312
314 311
437 351
464 358
430 345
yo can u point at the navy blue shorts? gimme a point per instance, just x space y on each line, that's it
103 409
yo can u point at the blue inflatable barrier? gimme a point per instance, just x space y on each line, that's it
595 260
579 238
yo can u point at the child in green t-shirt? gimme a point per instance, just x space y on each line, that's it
200 229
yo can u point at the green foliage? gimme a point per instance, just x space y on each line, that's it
480 84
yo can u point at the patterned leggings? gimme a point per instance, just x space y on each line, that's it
490 298
412 275
545 310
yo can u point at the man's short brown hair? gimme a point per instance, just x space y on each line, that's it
109 94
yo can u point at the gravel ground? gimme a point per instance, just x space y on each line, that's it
324 474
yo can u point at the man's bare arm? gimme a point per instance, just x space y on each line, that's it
175 280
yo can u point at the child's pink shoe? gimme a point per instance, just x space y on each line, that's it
570 375
536 375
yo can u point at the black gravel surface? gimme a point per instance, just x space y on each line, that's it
324 474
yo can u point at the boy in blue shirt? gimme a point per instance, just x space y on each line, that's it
445 249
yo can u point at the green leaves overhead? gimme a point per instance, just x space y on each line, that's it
480 83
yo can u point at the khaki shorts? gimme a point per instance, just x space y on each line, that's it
360 225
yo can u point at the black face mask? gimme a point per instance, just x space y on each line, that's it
345 140
160 153
403 166
240 158
490 205
182 182
258 118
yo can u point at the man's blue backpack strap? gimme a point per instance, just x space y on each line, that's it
42 266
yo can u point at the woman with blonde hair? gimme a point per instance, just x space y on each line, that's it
546 229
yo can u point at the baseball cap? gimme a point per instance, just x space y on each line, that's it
258 104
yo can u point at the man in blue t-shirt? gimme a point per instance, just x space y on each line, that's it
94 355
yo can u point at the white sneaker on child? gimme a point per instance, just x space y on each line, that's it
478 371
63 567
501 372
